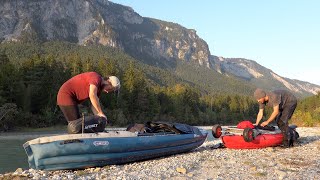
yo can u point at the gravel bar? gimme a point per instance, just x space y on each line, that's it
208 162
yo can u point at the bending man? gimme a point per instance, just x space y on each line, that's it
283 102
79 88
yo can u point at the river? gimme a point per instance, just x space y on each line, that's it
12 154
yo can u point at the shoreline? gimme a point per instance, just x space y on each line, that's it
299 162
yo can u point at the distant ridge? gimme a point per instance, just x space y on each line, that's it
153 42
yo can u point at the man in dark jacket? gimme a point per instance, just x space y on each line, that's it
283 102
79 88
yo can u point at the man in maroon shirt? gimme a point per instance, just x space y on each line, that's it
79 88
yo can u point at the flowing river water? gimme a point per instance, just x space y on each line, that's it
12 154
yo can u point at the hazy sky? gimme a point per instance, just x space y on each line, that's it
282 35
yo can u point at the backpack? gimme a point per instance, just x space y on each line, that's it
163 127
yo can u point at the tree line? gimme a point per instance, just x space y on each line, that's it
31 75
308 112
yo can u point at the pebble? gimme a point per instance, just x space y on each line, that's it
181 170
281 174
208 162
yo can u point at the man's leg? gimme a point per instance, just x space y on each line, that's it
283 126
71 113
282 121
293 135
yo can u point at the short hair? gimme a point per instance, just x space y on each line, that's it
259 93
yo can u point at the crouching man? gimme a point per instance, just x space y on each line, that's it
284 103
79 88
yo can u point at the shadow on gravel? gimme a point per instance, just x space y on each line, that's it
307 140
210 147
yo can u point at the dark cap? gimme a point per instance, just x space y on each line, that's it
259 93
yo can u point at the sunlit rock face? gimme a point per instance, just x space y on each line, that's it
91 22
99 22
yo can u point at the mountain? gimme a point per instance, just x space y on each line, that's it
153 42
253 72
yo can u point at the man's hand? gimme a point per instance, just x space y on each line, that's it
102 115
264 123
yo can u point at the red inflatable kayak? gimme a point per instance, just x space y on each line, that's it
247 136
261 141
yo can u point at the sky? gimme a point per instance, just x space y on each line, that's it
281 35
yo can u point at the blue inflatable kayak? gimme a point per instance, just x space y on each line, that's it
77 151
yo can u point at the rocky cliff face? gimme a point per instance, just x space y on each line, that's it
87 22
99 22
75 21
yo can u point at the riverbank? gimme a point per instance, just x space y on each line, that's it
31 133
299 162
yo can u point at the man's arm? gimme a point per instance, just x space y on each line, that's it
95 100
272 116
259 116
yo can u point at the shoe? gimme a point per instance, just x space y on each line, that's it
291 143
286 144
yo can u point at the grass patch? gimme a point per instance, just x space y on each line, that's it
296 162
82 173
247 162
289 170
260 174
